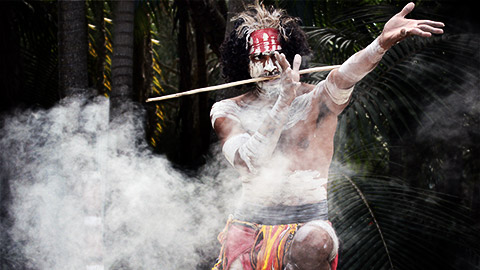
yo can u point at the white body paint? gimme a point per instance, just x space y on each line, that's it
270 185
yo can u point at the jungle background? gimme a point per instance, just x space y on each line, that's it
405 187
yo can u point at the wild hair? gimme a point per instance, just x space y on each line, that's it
257 17
234 50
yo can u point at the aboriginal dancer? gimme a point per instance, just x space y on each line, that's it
279 136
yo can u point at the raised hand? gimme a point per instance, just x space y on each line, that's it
398 28
290 77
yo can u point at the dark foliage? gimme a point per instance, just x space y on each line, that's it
29 66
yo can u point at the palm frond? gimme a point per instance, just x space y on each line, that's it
383 218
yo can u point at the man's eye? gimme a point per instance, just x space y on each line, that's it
257 57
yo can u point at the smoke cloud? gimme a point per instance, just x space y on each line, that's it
449 119
89 194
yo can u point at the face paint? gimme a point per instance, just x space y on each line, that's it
255 69
266 65
269 66
263 43
263 64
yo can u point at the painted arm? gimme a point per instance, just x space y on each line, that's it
243 150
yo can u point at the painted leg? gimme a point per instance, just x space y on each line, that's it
311 248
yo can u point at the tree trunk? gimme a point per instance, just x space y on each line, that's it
100 49
204 107
122 61
187 147
72 47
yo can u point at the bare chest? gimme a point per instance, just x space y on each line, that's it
307 136
312 137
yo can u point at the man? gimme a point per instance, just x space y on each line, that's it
280 138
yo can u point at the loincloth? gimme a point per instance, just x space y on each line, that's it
265 246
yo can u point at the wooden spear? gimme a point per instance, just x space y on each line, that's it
231 84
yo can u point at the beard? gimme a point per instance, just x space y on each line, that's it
270 90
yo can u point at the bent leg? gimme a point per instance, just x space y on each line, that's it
314 246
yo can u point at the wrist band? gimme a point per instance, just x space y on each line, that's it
374 51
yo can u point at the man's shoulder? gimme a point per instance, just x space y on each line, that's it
228 107
237 101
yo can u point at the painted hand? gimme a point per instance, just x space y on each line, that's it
398 28
290 78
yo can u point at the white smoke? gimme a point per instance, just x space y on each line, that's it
89 193
449 119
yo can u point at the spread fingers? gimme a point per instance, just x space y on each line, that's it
431 23
428 28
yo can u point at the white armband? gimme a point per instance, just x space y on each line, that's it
251 149
230 147
256 149
338 96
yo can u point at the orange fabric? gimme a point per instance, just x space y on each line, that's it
271 245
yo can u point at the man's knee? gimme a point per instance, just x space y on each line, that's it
311 248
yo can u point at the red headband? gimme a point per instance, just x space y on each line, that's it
264 40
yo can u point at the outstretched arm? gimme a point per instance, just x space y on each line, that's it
340 82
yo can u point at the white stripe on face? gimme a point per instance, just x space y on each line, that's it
269 66
255 69
263 64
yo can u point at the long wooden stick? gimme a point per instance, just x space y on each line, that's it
227 85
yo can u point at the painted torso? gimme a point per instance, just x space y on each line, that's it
298 171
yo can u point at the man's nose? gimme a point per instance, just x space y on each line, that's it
269 66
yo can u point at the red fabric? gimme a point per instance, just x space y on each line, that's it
239 242
334 263
264 40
